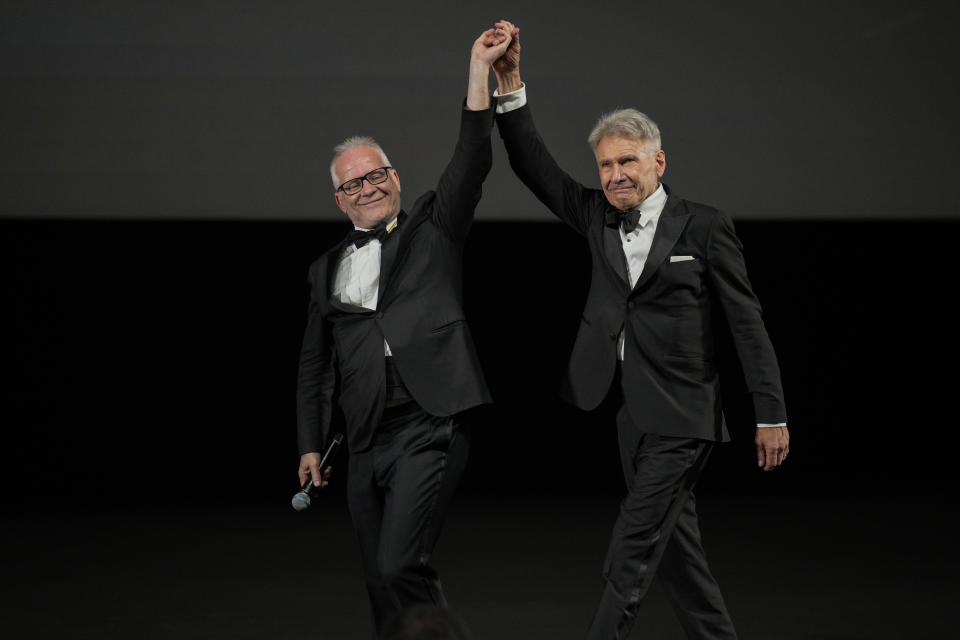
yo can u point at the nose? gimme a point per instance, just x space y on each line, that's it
617 173
366 188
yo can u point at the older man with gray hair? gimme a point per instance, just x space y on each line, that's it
664 269
386 339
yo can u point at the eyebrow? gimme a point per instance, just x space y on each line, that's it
620 159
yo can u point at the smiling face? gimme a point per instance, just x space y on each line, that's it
374 203
630 171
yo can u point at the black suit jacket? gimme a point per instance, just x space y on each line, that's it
419 312
669 369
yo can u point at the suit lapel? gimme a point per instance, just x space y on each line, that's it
669 227
388 255
613 250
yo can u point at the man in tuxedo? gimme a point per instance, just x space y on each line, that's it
662 269
386 335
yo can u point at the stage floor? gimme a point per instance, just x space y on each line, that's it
514 568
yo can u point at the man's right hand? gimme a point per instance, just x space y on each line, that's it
509 62
310 468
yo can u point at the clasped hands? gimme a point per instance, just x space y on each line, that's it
498 47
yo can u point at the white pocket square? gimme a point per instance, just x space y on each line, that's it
680 258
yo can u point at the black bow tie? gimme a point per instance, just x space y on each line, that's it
629 219
360 237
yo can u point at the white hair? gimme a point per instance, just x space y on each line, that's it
352 143
626 123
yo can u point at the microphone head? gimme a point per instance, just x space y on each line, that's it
300 501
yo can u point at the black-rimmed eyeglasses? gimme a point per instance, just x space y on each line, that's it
351 187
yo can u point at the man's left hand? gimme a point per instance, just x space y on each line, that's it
773 444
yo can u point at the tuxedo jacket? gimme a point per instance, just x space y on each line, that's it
419 312
695 270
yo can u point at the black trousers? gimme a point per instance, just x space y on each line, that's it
657 533
398 492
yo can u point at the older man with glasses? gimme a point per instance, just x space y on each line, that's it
386 336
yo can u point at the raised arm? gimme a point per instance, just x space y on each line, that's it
507 67
488 48
529 157
460 186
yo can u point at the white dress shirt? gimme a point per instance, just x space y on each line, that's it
636 244
358 275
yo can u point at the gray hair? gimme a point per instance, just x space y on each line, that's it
351 143
627 123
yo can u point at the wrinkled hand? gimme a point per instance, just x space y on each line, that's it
491 45
510 60
773 444
310 468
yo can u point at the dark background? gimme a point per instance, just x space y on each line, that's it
149 454
163 188
229 109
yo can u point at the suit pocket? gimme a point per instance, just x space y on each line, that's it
682 358
447 325
680 282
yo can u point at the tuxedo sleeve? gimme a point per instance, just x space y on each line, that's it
536 168
461 183
316 378
731 286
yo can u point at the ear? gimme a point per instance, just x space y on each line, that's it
661 160
336 196
396 176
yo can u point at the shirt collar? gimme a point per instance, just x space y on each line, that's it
390 226
652 207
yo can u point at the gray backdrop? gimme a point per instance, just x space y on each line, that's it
228 109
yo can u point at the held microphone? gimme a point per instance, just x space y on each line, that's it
301 499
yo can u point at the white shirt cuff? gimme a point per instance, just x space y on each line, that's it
764 425
512 100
